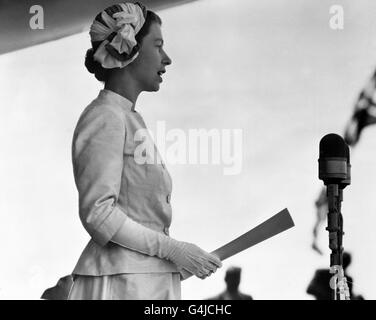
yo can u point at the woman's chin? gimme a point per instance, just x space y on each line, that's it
154 87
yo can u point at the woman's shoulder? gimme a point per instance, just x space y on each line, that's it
98 115
101 110
100 107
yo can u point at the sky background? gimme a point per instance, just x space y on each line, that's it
274 69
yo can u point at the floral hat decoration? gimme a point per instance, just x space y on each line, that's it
115 28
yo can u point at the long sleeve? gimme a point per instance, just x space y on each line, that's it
185 255
97 154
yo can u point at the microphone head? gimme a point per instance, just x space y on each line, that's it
333 146
334 160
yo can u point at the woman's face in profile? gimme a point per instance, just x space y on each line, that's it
147 69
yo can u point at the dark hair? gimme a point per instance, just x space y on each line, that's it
151 17
94 66
233 273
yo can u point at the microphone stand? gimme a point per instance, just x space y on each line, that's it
338 282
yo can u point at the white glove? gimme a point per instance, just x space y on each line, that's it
190 257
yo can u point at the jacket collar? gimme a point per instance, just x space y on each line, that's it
117 99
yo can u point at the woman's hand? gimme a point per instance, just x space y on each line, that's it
189 257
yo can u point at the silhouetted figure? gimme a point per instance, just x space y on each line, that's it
60 291
232 292
319 286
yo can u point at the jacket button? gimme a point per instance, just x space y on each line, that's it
168 198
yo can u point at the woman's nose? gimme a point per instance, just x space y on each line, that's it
166 59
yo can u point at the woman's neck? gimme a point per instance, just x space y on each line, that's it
129 92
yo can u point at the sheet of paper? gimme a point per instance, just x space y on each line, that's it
276 224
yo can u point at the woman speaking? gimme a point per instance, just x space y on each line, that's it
124 203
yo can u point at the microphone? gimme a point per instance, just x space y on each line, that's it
334 161
335 171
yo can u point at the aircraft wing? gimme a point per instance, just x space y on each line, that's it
61 18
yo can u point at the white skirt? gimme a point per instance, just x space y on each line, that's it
127 286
